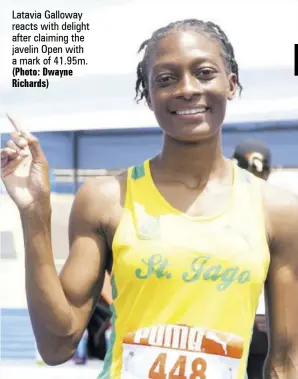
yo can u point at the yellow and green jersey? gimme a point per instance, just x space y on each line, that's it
185 289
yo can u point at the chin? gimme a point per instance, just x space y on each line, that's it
189 133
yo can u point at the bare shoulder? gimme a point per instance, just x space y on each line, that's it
281 207
100 197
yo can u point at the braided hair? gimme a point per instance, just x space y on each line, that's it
209 28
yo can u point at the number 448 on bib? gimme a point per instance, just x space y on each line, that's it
178 371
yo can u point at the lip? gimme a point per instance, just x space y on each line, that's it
191 116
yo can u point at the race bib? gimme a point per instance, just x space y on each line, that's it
180 352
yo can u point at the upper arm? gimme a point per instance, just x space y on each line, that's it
83 273
281 287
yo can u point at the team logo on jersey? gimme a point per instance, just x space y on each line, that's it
148 227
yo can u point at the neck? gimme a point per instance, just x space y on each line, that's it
197 162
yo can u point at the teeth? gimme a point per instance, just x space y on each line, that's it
192 111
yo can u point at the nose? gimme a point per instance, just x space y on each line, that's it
188 87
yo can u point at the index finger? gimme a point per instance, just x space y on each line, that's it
13 123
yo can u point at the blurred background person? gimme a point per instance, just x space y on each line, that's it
255 157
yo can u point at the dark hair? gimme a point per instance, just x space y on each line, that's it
245 153
209 28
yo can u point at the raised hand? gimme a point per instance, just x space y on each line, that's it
24 170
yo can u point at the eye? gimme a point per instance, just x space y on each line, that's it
165 79
205 73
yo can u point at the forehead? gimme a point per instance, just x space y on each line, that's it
180 45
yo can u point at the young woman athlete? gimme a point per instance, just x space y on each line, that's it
188 237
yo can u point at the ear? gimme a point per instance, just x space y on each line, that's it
232 88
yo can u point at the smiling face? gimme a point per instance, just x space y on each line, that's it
188 85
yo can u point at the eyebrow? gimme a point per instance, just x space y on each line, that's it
165 65
173 65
